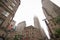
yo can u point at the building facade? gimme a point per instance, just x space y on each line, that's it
8 9
36 22
52 13
38 26
31 33
11 26
20 27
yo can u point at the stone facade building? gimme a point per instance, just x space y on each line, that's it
11 26
7 11
52 13
31 33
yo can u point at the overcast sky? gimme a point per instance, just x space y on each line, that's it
30 8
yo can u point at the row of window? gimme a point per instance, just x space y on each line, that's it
7 1
10 7
5 13
12 4
1 21
15 1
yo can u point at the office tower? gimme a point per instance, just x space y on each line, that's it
52 13
20 27
38 26
8 9
36 22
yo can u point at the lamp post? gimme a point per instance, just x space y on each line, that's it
51 34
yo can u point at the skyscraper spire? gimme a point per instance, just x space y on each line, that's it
36 22
38 26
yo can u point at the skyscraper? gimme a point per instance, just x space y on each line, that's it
38 26
20 27
36 22
52 13
8 9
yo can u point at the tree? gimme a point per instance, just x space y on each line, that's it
57 19
57 32
16 37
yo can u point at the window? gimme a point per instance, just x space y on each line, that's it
13 4
11 18
1 20
15 1
10 7
5 13
5 0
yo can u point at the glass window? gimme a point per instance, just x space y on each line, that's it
5 13
1 20
13 4
11 18
15 1
10 7
5 0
